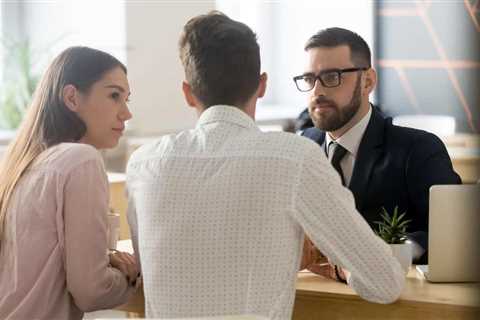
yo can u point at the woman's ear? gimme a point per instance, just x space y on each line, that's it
71 98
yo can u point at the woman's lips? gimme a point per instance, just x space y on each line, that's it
118 130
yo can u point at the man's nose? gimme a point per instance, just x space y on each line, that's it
318 88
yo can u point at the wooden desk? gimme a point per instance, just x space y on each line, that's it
320 298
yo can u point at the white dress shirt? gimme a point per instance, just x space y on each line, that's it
217 215
350 140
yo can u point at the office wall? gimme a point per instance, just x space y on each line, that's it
428 59
155 71
142 34
52 26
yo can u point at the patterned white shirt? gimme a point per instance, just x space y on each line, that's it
218 214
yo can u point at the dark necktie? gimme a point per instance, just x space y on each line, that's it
338 154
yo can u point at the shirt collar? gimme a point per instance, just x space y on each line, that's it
225 113
351 139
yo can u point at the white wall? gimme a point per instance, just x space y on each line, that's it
55 25
155 71
142 34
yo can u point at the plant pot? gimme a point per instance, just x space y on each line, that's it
403 253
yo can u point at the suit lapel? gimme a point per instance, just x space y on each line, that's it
368 153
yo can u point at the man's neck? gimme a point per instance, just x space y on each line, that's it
249 109
362 112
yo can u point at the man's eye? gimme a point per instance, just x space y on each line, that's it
115 95
309 80
330 77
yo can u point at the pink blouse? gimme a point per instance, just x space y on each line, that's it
53 255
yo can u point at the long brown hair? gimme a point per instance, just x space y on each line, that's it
48 120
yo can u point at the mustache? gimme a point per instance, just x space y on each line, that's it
323 100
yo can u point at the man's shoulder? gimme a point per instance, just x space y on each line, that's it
314 134
272 144
405 137
157 147
288 143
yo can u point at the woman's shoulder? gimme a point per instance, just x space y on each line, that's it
66 156
77 149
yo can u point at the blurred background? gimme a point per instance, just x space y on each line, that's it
427 54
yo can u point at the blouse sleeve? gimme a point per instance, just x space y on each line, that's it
91 281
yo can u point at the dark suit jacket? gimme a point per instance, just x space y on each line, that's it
396 166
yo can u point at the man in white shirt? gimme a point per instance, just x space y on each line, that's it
382 164
218 213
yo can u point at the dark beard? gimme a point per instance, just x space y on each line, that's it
342 115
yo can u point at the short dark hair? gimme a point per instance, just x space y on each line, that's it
221 58
334 37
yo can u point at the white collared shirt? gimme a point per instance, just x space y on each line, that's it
350 140
217 215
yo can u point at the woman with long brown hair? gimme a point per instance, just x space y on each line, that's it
54 194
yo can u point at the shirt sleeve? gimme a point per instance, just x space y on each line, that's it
91 281
326 211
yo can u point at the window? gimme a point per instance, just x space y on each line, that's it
49 27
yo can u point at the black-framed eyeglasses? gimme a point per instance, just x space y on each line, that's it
328 78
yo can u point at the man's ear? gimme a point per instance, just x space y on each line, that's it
71 97
370 80
187 92
262 85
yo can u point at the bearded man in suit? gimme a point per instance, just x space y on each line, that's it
382 164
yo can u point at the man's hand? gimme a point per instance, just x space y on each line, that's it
326 270
314 261
311 255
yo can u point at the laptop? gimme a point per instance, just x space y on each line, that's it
454 234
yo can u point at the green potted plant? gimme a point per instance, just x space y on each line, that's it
393 230
19 84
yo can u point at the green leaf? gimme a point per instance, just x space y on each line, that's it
21 80
392 228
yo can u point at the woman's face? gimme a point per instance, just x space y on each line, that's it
104 109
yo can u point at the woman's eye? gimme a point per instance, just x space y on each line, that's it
115 95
